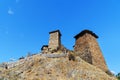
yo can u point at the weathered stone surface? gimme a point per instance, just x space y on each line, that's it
55 40
55 55
45 49
88 49
59 63
42 68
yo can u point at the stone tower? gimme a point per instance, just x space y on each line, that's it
87 48
55 40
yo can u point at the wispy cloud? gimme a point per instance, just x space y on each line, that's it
10 11
113 72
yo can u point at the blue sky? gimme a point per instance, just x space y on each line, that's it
25 24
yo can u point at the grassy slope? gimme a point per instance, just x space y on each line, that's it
41 68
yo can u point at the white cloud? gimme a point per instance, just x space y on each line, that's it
10 11
113 72
12 59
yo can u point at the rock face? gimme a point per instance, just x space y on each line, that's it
88 49
38 67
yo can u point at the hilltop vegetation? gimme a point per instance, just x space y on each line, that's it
39 67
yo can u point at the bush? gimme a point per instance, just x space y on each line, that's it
2 79
118 76
71 57
21 58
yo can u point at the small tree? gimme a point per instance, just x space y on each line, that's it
21 58
118 76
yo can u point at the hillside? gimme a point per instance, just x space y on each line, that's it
38 67
56 62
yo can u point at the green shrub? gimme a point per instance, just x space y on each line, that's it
118 76
71 57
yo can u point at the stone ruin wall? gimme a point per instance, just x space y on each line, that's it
54 44
82 49
86 47
54 41
97 56
89 50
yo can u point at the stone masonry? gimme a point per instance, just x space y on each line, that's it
87 48
55 40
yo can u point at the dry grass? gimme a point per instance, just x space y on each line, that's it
41 68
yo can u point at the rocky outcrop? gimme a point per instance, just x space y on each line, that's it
40 67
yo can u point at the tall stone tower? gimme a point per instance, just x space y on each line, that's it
55 40
87 48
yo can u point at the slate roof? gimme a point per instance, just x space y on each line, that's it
84 32
55 31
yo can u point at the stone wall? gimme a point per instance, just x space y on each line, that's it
44 49
54 41
88 49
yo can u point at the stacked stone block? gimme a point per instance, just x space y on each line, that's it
55 40
88 49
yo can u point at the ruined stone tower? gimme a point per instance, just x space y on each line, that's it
55 40
87 48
